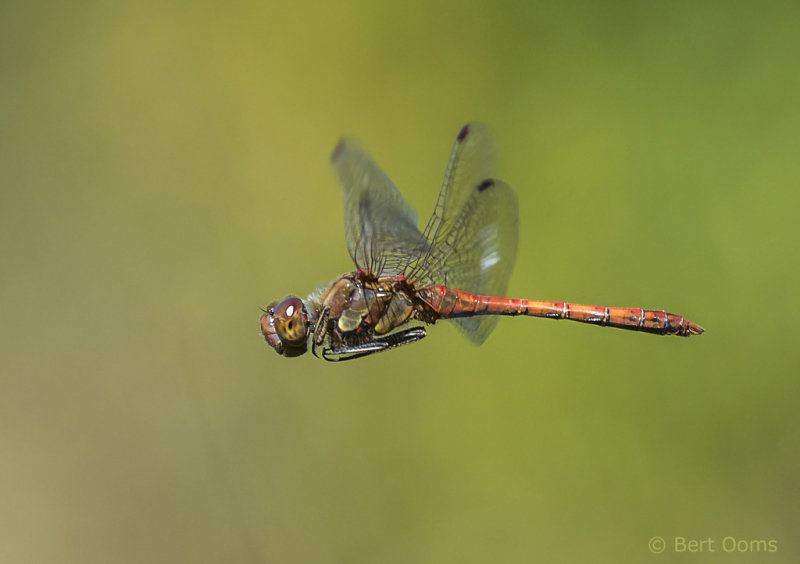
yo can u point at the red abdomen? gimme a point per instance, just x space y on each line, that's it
449 303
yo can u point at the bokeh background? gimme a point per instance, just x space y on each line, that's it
164 174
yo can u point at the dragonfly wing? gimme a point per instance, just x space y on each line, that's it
478 250
474 228
380 226
473 159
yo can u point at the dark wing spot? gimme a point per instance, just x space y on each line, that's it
488 183
337 151
463 133
364 205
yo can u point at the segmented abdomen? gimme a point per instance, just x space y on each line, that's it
450 303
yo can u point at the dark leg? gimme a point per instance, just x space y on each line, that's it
376 345
320 330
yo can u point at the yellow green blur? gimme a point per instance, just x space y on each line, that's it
164 173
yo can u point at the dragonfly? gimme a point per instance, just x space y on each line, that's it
456 269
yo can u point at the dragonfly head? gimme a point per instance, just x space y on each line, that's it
285 326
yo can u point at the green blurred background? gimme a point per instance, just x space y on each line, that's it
164 173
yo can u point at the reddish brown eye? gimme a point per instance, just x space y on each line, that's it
288 308
291 321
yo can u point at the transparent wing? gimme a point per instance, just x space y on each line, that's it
473 232
473 159
470 241
380 226
478 252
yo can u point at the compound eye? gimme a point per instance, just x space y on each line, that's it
291 321
287 308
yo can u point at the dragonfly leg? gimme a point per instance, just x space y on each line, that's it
319 330
376 345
